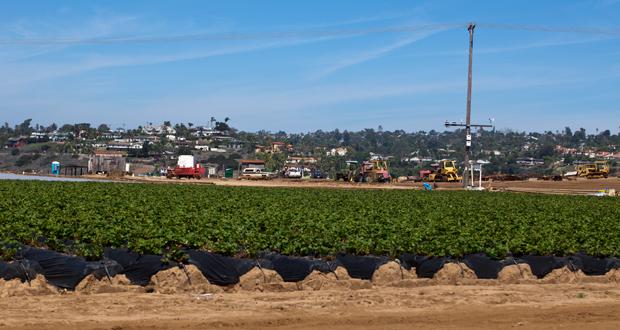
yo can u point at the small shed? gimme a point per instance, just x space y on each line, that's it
75 169
107 161
251 163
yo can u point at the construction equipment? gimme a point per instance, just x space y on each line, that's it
595 170
186 168
446 172
349 173
375 170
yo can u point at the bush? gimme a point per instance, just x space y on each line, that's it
23 160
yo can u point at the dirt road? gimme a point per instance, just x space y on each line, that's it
576 187
538 306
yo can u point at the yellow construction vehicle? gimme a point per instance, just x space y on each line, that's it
598 169
446 172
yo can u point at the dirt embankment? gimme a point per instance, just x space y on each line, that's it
394 299
531 306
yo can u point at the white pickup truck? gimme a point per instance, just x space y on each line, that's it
251 173
293 173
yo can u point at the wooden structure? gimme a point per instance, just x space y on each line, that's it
107 161
74 170
251 163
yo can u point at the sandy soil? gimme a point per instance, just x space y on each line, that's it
394 299
538 306
575 186
578 186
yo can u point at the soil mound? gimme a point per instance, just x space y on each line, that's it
176 280
391 273
564 275
322 281
514 274
454 273
119 283
342 273
613 276
16 288
261 279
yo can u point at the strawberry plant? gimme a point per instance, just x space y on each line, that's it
84 217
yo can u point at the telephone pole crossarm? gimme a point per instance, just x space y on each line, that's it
455 124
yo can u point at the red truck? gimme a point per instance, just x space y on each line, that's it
186 168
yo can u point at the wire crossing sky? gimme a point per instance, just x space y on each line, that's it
278 65
303 34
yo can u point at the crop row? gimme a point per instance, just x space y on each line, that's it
83 218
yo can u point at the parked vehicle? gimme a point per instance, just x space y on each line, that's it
293 173
318 174
252 173
186 168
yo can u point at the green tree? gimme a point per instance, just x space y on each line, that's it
103 128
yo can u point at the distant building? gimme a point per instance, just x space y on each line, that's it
251 163
16 142
530 161
340 151
124 144
39 136
278 147
106 161
139 169
158 130
274 148
297 161
260 149
60 136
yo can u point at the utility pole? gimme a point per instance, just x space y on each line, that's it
470 28
468 125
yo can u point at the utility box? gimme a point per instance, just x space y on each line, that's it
228 173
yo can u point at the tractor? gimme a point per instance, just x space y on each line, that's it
598 169
375 170
446 172
349 173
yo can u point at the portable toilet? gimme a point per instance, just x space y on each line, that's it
228 173
55 168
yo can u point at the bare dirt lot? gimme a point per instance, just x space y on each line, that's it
538 306
577 186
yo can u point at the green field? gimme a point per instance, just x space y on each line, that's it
82 218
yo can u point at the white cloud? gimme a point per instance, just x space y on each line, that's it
358 58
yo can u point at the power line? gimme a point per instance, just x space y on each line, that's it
555 29
230 36
292 34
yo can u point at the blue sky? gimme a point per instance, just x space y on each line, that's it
415 80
